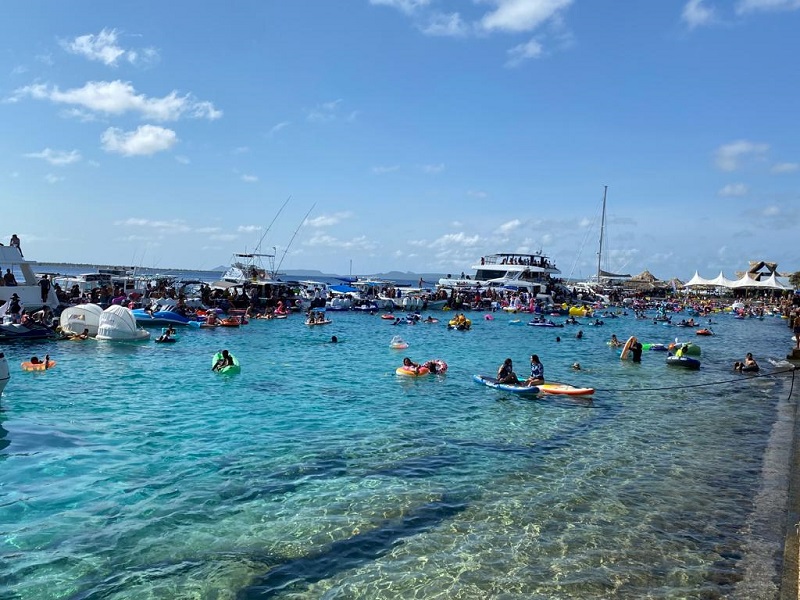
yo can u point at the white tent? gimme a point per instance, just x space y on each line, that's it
771 283
76 318
719 281
118 323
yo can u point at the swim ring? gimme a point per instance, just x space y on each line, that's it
29 366
398 343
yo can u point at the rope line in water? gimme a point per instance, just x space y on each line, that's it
697 385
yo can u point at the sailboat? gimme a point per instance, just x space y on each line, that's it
602 277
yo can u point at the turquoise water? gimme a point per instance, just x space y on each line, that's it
133 471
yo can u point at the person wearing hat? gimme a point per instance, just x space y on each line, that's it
14 308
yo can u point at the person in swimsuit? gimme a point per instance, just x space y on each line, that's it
225 360
505 374
537 372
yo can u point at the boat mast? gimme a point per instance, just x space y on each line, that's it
602 231
275 274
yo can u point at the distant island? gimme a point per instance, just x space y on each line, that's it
429 278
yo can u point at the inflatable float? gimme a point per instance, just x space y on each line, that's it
230 369
686 362
40 366
398 343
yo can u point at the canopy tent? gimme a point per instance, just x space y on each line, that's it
718 281
744 282
771 283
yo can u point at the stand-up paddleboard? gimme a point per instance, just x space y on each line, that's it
5 374
525 390
626 349
565 389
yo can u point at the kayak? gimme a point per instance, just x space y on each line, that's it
565 388
491 382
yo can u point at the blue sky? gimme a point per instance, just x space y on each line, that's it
424 133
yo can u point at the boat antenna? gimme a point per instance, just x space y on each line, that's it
291 240
258 246
602 231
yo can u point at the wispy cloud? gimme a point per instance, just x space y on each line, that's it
276 128
325 112
248 228
56 157
120 97
387 169
746 6
456 239
145 140
19 70
250 178
519 54
358 243
786 167
104 47
184 160
406 6
50 178
173 226
729 157
446 25
522 15
477 194
433 169
509 226
734 189
697 13
328 220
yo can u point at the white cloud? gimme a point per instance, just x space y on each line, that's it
276 128
119 97
56 157
174 226
381 170
357 243
328 220
207 230
445 25
433 169
104 48
730 156
519 54
786 167
184 160
146 140
249 178
406 6
509 226
248 228
696 13
222 237
734 189
50 178
522 15
324 112
19 70
241 150
745 6
456 239
477 194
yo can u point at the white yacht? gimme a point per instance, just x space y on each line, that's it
533 273
27 288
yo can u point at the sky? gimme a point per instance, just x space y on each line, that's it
363 136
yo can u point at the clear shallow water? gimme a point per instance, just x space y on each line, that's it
132 471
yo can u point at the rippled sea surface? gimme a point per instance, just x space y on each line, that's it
132 471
